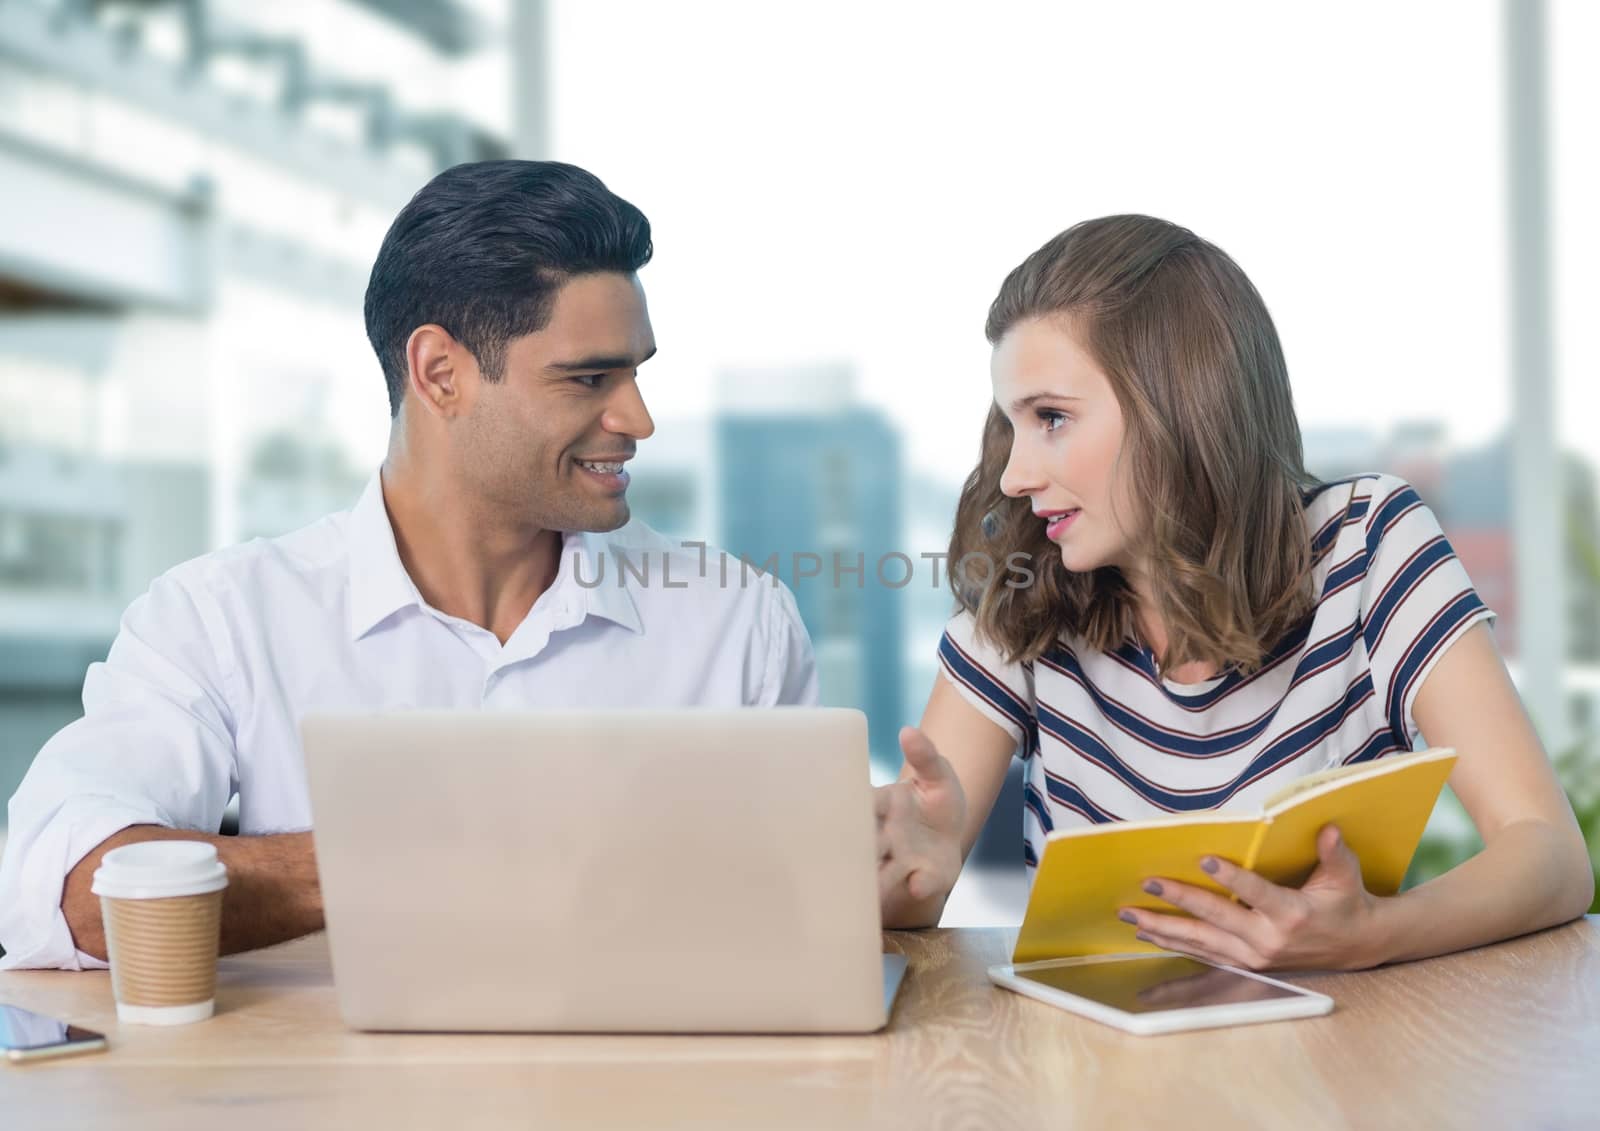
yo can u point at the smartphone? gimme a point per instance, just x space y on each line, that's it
26 1035
1159 993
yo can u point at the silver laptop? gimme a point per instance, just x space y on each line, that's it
631 871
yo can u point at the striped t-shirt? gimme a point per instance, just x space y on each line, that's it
1105 738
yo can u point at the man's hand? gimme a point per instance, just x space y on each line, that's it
920 818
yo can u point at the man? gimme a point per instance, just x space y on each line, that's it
506 311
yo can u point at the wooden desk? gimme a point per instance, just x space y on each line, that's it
1502 1037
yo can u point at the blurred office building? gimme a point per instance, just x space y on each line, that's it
191 194
674 486
930 514
811 483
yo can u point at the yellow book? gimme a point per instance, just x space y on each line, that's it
1088 874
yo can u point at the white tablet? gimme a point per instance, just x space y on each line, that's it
1159 993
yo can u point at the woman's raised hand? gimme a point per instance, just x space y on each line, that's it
920 818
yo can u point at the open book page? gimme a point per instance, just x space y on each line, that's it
1380 811
1389 765
1086 875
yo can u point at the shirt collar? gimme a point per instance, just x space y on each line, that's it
581 555
380 586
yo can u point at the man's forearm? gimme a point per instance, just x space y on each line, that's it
272 895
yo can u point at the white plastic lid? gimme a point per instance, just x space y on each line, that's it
160 869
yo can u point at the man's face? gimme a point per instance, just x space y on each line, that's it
549 439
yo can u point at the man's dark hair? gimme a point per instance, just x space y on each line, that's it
482 249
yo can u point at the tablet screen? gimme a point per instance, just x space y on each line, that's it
1151 985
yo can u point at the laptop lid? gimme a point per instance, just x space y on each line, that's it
666 871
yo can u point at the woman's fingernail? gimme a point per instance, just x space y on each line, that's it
1127 916
1152 887
1209 865
1142 937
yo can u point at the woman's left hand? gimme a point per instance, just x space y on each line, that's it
1328 923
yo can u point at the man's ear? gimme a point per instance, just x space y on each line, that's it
442 372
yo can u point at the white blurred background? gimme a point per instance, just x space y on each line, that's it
192 192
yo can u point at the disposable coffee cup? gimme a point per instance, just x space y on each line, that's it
161 901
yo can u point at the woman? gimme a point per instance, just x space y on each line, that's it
1198 621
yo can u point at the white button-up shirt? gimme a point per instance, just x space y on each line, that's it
204 688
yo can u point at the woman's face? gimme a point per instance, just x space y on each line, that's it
1067 433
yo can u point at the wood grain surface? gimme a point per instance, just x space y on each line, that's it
1506 1036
